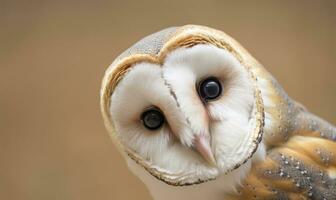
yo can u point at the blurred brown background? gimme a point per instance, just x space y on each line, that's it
53 54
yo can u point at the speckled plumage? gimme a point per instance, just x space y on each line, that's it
300 161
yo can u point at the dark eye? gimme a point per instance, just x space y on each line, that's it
210 88
152 119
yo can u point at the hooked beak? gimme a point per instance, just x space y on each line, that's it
202 145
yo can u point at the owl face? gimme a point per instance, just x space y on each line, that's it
189 118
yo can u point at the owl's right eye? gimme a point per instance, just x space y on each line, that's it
152 119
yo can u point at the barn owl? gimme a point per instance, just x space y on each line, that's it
197 117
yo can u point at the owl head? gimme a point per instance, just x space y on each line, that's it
183 103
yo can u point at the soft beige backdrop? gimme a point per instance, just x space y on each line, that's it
53 54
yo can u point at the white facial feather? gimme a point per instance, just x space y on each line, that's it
226 184
172 88
147 88
229 114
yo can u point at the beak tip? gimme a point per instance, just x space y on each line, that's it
212 161
202 145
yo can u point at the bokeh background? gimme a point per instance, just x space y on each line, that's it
53 54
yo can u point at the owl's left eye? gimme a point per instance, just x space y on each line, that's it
152 119
210 88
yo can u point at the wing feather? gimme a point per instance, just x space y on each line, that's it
302 168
